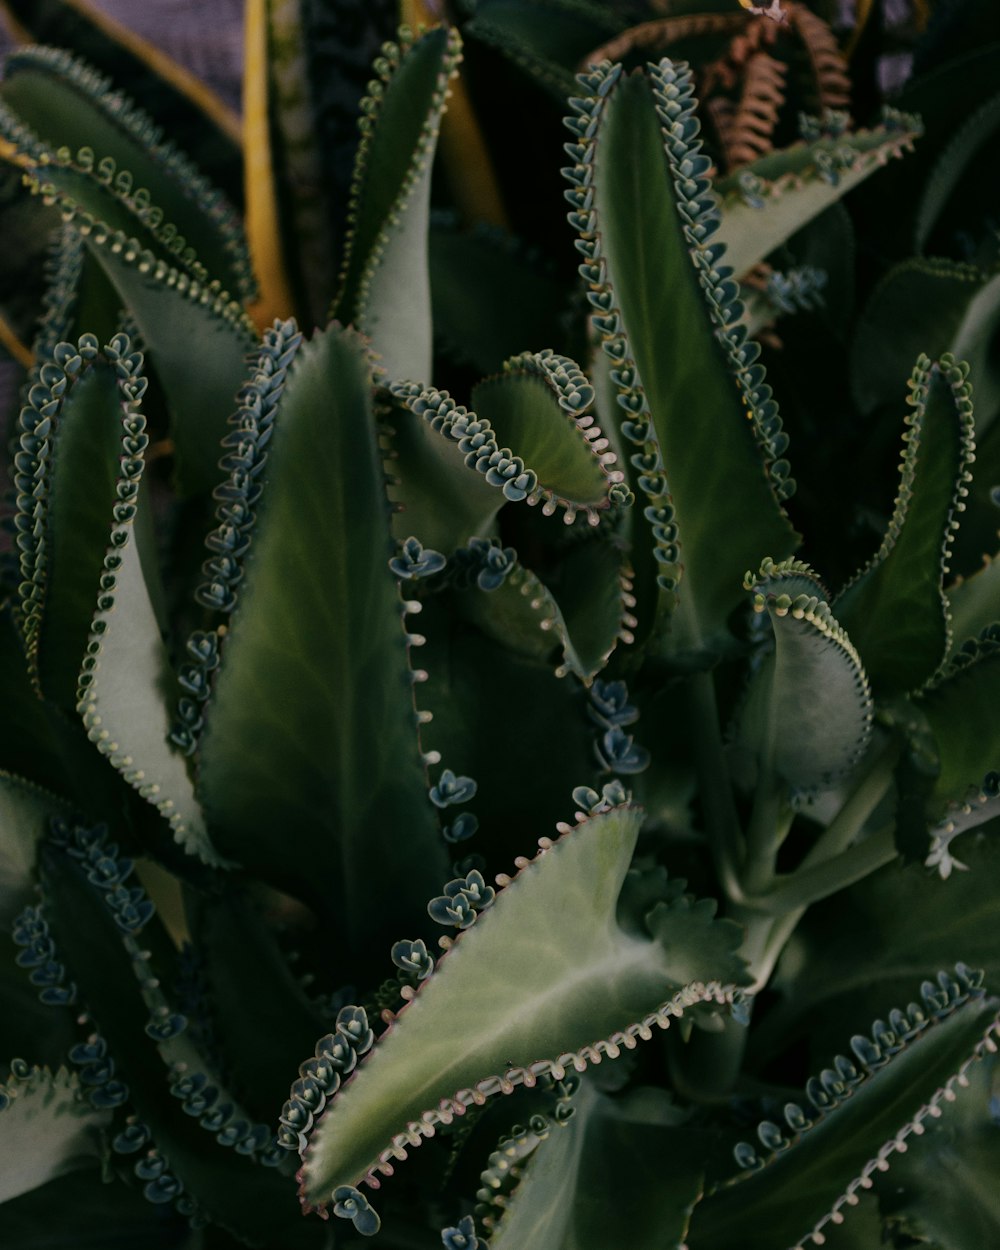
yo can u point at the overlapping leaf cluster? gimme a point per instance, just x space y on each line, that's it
531 711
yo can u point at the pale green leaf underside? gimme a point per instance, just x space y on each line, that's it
726 511
619 1171
808 710
794 192
895 610
311 727
46 1130
127 707
25 810
525 415
544 973
386 283
778 1206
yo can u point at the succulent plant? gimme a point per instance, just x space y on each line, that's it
416 729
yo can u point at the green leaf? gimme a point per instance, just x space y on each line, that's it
690 383
261 1018
802 1173
767 201
960 708
530 988
47 1128
540 406
385 286
547 40
895 608
618 1168
174 98
80 477
808 710
121 989
25 810
912 918
957 162
974 604
942 1190
455 475
66 105
931 307
585 620
126 674
514 300
311 726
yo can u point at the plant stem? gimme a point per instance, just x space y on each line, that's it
809 885
869 792
721 819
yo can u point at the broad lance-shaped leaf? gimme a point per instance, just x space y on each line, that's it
806 1172
64 104
960 709
112 948
125 670
545 979
617 1169
457 470
47 1128
895 608
933 306
700 414
943 1188
385 285
808 711
768 200
311 726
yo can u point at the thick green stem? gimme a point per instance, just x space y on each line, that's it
723 825
809 885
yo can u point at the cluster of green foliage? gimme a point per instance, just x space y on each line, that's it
429 726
